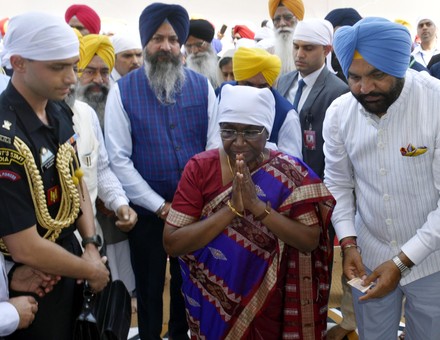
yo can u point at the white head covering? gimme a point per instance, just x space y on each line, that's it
125 42
264 33
247 105
314 31
245 42
39 36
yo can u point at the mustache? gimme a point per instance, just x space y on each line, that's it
372 94
284 29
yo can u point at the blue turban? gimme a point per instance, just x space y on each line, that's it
343 17
154 15
382 43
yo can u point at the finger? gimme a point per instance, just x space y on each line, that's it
369 279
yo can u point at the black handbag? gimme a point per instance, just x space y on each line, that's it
105 315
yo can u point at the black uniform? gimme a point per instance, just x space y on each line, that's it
58 309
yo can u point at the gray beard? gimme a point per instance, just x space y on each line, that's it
95 100
166 79
284 50
205 63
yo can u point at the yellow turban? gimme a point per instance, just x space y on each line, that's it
80 39
295 6
96 44
248 62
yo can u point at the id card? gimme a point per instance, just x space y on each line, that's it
357 283
310 139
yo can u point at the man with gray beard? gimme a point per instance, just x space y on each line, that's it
200 55
285 15
87 98
156 119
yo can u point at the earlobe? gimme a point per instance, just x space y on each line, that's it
17 63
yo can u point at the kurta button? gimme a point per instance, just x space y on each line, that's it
177 148
172 126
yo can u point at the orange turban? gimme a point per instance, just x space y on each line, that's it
96 44
295 6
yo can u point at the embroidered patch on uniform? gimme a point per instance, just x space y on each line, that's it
53 195
5 139
7 125
47 158
9 175
7 156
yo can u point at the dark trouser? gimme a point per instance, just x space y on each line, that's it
57 310
149 260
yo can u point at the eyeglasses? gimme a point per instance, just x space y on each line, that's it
285 17
91 72
249 135
197 45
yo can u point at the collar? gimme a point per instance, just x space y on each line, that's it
311 78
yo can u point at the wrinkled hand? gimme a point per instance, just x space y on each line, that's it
26 307
386 278
127 218
27 279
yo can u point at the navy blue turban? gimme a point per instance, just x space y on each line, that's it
154 15
343 17
381 43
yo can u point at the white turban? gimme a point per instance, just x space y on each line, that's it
39 36
314 31
247 105
123 42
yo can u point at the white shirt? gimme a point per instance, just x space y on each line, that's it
119 147
397 198
9 318
114 76
309 81
424 56
100 179
4 80
289 136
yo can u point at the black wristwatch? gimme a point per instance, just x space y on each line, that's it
95 239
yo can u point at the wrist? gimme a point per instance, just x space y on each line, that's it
349 243
266 212
94 240
159 211
234 210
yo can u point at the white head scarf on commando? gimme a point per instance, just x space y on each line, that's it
247 105
39 36
314 31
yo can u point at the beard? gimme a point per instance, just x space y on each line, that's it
382 100
284 49
96 99
206 64
165 75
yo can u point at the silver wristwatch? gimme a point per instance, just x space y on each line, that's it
404 269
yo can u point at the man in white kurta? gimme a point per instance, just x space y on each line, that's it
382 149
